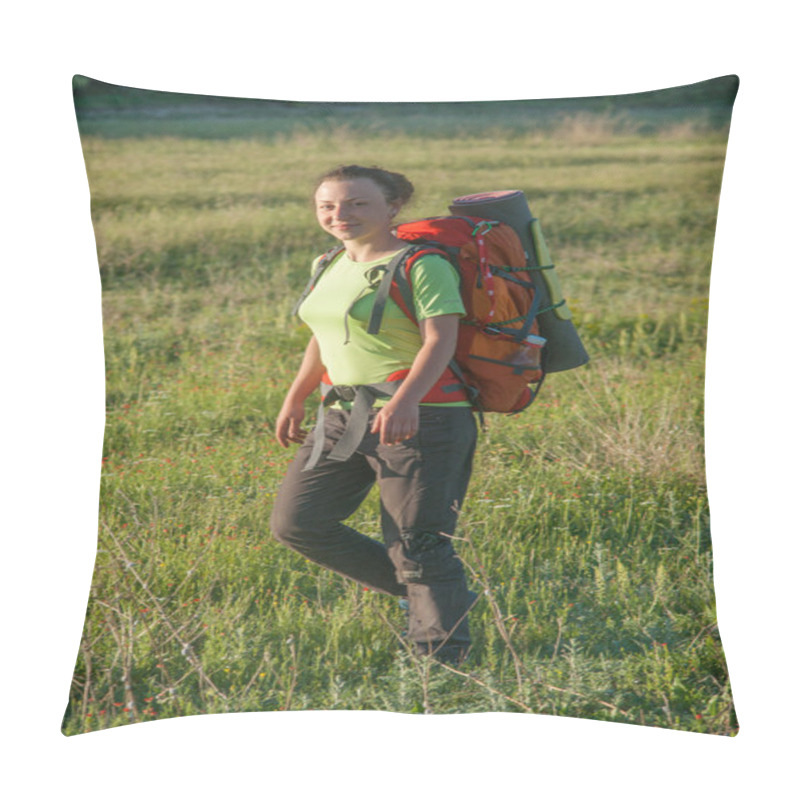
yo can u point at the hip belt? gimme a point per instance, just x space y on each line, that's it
363 397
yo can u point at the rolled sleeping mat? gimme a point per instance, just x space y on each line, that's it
564 349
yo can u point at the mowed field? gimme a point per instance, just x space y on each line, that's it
586 529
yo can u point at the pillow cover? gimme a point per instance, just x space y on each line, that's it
585 533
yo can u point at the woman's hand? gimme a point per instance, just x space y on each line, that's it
290 417
397 421
288 428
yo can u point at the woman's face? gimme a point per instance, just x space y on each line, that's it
354 210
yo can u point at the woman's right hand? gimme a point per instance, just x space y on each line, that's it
290 417
288 428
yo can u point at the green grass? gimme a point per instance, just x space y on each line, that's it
587 525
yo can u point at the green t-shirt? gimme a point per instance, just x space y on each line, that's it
350 354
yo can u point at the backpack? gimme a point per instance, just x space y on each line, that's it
498 352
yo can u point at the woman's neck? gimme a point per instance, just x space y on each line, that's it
372 251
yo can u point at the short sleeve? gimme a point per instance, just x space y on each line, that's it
435 284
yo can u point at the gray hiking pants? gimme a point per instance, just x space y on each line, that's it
422 485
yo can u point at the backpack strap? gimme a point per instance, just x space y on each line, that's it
363 398
324 262
518 334
397 278
403 259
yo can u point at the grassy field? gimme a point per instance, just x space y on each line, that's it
587 525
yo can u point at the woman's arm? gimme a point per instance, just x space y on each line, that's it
399 418
290 417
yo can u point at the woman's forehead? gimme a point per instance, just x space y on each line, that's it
349 189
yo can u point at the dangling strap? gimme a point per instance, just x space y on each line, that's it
363 398
382 294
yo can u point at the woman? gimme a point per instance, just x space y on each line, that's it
419 452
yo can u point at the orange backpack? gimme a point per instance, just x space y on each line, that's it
498 354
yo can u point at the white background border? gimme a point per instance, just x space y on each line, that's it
53 386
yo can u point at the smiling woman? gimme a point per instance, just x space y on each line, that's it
383 425
358 209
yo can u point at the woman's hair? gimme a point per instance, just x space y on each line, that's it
396 188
